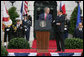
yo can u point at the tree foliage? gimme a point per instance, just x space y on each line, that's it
13 14
73 20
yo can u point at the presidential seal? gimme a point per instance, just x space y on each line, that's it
43 24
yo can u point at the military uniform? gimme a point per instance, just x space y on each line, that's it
66 28
8 33
19 31
26 27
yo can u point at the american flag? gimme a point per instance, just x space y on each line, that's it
25 7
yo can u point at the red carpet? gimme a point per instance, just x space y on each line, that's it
52 44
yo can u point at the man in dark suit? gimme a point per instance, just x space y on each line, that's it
45 15
59 30
78 33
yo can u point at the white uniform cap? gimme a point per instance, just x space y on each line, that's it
18 18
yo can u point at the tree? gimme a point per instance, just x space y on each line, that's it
13 14
73 20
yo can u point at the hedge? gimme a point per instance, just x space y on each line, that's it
18 43
73 43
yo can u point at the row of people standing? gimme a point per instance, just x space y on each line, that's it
21 29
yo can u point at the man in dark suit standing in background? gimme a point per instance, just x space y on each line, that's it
59 31
78 33
45 15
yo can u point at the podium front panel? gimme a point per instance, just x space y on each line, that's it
42 30
42 39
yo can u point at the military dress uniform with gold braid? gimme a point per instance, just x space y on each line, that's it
18 31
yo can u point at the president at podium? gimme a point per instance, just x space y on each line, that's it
46 16
42 30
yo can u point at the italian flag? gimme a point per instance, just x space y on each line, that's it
62 7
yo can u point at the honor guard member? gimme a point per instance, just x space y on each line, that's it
26 23
66 27
18 28
8 30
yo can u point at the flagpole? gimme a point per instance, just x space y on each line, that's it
60 5
3 39
21 10
7 42
3 31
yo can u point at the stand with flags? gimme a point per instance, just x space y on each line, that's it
6 21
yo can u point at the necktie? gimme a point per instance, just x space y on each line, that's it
45 16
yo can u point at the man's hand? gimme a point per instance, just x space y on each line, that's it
58 23
53 21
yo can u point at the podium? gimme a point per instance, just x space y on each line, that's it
42 30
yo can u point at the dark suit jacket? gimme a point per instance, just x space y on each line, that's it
61 20
78 33
49 17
